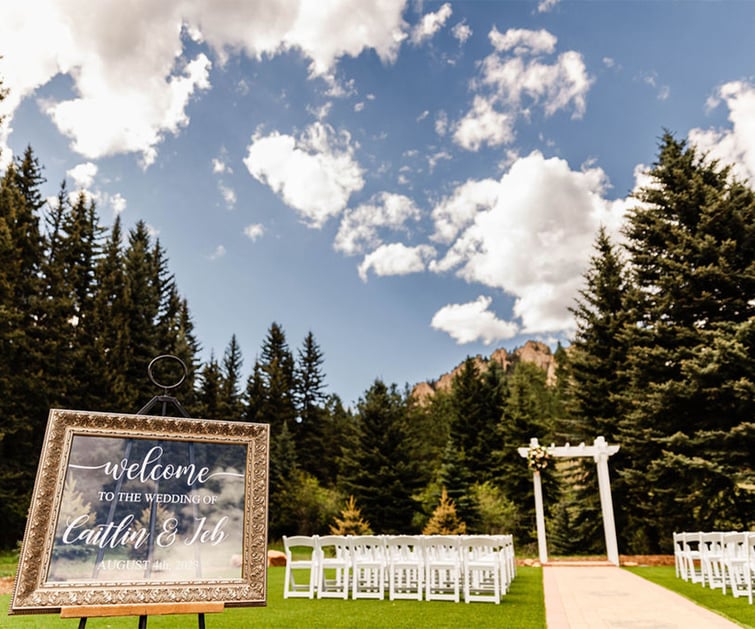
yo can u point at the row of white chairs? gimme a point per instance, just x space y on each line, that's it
719 559
433 567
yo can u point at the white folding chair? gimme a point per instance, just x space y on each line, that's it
736 563
406 567
301 558
692 557
442 567
368 566
712 560
333 566
507 560
679 562
481 569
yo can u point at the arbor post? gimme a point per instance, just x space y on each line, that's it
542 545
606 503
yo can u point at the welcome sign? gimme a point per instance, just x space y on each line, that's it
140 509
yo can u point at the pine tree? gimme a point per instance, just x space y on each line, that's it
592 375
23 407
231 407
351 521
691 243
210 390
528 411
377 468
310 399
444 520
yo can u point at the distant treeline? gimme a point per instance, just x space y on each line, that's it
662 363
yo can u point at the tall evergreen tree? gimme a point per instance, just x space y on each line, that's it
22 401
277 366
231 407
142 300
528 411
691 242
310 400
592 376
379 471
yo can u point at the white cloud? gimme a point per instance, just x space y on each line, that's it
534 241
131 77
254 232
432 160
396 259
523 41
557 86
462 32
219 166
228 194
218 253
83 175
735 146
473 321
515 77
460 209
441 123
359 229
546 5
315 174
117 203
483 125
430 24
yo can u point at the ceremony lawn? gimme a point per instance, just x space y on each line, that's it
523 608
737 610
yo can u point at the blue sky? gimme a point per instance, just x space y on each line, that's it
412 182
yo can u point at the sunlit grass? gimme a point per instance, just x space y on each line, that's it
522 608
736 609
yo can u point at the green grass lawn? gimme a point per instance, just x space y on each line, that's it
737 610
522 608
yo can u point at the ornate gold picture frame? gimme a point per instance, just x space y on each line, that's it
140 509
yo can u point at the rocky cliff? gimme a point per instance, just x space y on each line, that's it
533 352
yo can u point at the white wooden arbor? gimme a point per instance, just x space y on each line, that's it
600 451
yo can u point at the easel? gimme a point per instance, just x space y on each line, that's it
150 609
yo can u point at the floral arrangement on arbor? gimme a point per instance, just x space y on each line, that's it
537 458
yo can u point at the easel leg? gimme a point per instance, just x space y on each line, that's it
200 619
82 623
142 622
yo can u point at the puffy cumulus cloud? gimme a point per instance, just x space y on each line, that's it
556 86
143 113
128 64
484 125
459 210
254 232
396 259
535 240
473 321
734 146
514 78
83 174
360 227
430 24
315 174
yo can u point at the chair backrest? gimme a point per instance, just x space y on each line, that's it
403 548
333 546
441 547
299 545
367 547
